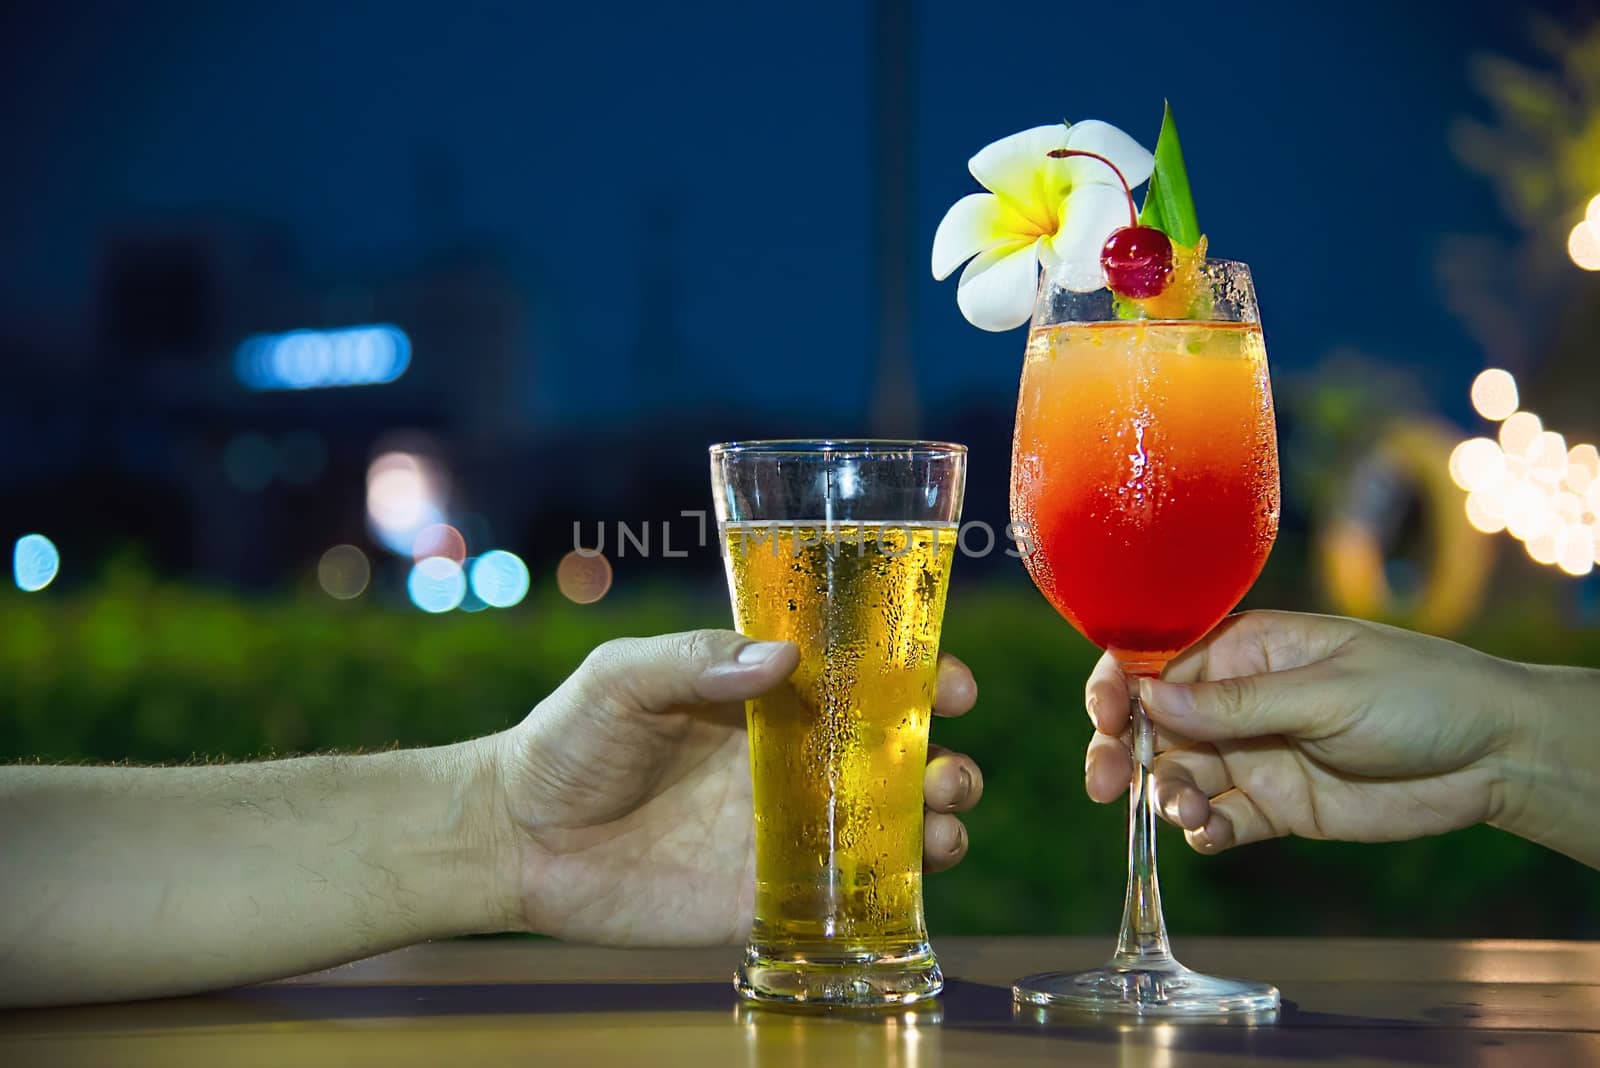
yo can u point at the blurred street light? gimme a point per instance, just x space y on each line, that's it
436 584
34 562
319 359
405 494
1583 245
583 577
439 539
1494 394
343 572
499 579
1529 483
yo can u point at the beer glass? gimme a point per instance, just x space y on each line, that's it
844 548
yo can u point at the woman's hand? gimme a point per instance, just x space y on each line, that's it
1280 723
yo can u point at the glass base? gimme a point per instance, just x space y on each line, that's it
860 980
1162 989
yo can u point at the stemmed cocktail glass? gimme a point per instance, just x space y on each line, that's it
1145 475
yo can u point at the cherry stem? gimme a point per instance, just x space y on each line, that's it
1127 190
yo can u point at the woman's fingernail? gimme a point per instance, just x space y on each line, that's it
755 653
1217 833
1093 707
1182 822
1171 809
966 785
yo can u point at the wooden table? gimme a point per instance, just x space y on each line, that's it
474 1003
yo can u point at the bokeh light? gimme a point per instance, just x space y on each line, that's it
397 499
34 562
405 493
583 577
1518 432
1528 511
1591 214
1476 463
499 578
1575 550
1583 245
344 572
1547 457
249 461
1486 512
1583 466
1543 550
1529 483
471 602
318 359
1494 394
436 584
439 539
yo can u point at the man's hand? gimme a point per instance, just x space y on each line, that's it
627 791
618 811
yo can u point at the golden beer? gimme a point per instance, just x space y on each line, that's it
837 755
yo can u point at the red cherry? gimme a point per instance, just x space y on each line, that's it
1137 261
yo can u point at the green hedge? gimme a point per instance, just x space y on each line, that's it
134 670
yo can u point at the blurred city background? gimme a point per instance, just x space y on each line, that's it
328 330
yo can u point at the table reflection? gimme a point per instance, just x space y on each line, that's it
893 1038
1148 1042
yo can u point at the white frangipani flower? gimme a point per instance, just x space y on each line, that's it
1039 208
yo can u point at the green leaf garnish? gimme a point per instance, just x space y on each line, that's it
1168 204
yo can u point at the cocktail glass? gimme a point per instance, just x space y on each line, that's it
1145 477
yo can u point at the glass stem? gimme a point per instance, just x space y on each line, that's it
1143 941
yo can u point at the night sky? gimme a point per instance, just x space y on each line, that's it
1316 142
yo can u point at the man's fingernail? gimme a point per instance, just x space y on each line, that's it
966 785
1093 706
755 653
1176 700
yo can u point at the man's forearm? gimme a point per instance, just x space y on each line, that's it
1552 768
141 882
